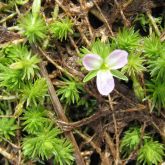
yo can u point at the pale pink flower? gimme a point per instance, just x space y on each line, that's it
115 60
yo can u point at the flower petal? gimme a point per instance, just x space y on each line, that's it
105 82
92 61
117 59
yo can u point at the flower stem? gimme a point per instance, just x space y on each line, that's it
117 159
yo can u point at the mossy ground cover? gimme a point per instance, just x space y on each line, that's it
82 82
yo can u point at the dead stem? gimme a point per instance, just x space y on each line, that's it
40 51
7 116
8 17
162 37
89 27
8 97
153 23
96 13
86 20
110 143
125 98
74 44
60 113
8 155
86 121
128 2
94 145
158 129
2 5
89 140
96 116
162 114
126 22
12 144
19 144
105 20
17 41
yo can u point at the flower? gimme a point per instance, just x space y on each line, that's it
105 67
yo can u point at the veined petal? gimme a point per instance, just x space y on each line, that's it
105 82
117 59
92 61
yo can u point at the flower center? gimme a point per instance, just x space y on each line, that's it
105 66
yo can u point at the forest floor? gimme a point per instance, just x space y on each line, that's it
95 124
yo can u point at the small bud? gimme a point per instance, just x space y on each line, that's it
36 8
18 109
139 91
16 65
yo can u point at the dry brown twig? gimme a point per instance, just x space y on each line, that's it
102 155
97 116
12 158
60 113
126 22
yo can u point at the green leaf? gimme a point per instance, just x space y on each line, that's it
152 152
33 27
127 39
34 93
84 51
35 118
119 75
130 141
101 48
8 128
70 91
60 29
90 75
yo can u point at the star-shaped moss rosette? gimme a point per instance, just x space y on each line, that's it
105 68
